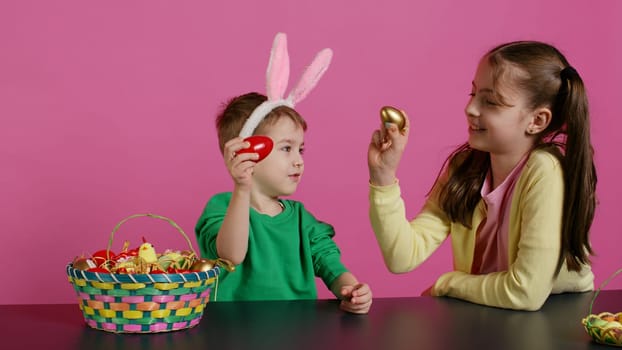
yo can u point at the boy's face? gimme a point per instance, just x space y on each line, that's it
281 171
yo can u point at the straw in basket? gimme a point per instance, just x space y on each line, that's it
606 327
142 303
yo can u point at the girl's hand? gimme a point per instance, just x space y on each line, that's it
385 151
428 292
240 166
356 299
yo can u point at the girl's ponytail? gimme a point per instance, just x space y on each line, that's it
571 109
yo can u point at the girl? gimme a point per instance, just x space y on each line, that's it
518 198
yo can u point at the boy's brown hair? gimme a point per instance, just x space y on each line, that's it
236 111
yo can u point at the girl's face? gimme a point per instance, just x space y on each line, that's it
280 172
494 127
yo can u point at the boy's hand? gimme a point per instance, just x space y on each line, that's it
356 299
240 166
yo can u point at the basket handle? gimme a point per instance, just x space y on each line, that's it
171 222
603 286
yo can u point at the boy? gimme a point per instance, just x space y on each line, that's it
277 245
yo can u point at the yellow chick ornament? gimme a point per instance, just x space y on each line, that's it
147 253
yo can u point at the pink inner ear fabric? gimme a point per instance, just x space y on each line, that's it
277 75
311 76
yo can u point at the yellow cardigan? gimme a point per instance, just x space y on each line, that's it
534 241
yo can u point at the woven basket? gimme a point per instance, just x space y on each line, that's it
606 327
142 303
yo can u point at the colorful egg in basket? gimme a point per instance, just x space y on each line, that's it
143 302
606 327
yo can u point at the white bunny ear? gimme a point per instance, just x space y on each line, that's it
311 76
277 75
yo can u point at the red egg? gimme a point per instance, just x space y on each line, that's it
261 145
101 256
98 269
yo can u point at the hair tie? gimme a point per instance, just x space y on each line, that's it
567 72
277 77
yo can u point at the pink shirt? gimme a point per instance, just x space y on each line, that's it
491 244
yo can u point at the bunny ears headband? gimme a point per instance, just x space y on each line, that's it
277 77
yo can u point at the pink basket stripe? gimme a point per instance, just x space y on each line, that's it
195 322
134 299
157 327
205 293
163 298
132 327
179 325
188 297
84 296
109 326
104 298
91 323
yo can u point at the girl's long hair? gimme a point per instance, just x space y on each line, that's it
549 82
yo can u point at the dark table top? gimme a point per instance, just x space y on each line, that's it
393 323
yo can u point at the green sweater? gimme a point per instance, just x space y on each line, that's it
285 253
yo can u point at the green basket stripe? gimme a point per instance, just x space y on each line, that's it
120 320
91 290
118 292
201 289
97 318
151 291
144 320
172 319
179 291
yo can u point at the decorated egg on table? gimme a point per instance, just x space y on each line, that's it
393 115
261 145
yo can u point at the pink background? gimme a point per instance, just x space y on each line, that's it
108 110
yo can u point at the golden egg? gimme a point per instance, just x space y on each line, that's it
83 264
203 265
389 114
